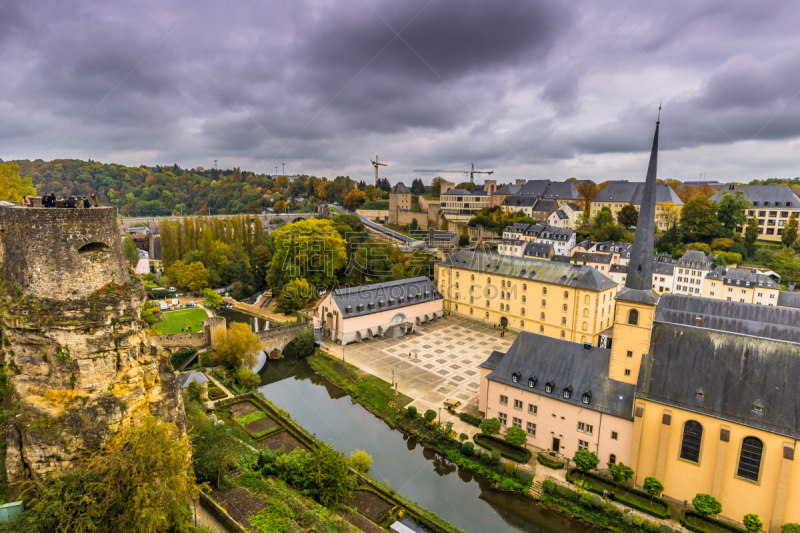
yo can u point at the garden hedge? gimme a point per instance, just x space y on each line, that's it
549 463
470 419
181 356
493 443
623 489
717 523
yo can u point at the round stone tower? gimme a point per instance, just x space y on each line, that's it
63 254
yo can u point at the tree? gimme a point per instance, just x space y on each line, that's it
71 502
699 219
215 449
443 225
751 233
147 475
721 244
516 436
628 216
585 460
354 199
752 522
587 191
619 471
430 416
302 345
731 211
652 486
330 471
296 294
310 249
727 258
237 346
463 240
212 298
706 505
414 224
789 236
195 392
784 263
196 277
790 528
12 186
130 251
417 187
246 378
361 461
490 426
436 185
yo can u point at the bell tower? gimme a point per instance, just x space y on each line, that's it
636 302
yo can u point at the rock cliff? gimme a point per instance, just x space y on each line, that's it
78 362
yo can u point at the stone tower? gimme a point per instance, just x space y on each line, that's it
399 200
76 353
490 186
636 302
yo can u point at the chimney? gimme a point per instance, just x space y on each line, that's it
730 187
587 345
697 321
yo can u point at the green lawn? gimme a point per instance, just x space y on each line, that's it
174 321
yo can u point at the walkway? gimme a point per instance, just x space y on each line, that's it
204 518
223 388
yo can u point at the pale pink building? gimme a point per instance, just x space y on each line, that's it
393 308
560 394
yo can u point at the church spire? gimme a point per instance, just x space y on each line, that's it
640 267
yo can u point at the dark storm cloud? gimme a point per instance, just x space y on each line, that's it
536 88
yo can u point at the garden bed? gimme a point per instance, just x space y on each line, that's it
215 393
370 504
509 451
549 463
240 504
241 409
283 439
641 501
699 524
260 426
361 522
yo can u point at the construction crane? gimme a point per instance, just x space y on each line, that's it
471 172
376 164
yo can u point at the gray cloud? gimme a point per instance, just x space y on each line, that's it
540 89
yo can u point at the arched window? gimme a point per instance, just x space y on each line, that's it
502 295
541 329
586 299
566 294
612 459
470 311
584 326
750 458
501 307
456 284
456 273
488 280
542 316
585 313
473 277
692 436
524 287
565 308
563 335
563 321
487 314
544 303
544 290
633 317
522 323
523 299
523 311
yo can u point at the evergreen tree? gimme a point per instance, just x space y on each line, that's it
789 236
751 233
258 232
208 246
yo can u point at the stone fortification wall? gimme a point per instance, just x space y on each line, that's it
278 338
181 340
62 253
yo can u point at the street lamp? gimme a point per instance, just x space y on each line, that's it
194 501
392 378
440 416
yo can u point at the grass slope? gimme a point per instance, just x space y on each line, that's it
173 321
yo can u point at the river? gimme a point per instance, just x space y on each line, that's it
466 501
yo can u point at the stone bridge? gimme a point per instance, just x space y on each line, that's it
278 338
153 223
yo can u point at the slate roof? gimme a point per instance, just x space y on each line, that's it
518 201
561 214
545 205
743 277
695 259
565 364
735 373
574 206
549 190
538 249
465 192
379 297
627 192
648 296
494 358
778 196
516 227
184 380
789 299
578 276
664 269
562 259
557 234
613 247
622 269
400 188
508 189
776 323
535 229
590 257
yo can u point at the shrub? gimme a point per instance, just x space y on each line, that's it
516 436
195 392
546 461
511 466
361 461
620 472
470 419
510 484
468 449
490 458
706 505
246 378
586 500
411 411
653 486
490 426
549 487
752 522
463 437
430 416
610 509
790 528
586 460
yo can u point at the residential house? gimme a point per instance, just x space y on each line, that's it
744 285
692 269
562 239
539 250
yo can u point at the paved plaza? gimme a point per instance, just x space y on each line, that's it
444 362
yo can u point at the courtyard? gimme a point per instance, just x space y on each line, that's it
443 365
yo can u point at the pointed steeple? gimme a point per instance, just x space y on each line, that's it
640 267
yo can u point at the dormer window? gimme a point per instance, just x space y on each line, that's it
587 397
549 386
758 407
700 394
532 382
515 377
567 393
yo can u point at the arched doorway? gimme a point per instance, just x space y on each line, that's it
504 322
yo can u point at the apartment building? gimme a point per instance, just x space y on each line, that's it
512 247
565 216
743 285
546 297
539 250
601 262
618 194
562 239
692 269
772 205
464 202
663 275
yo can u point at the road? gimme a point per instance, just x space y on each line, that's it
377 227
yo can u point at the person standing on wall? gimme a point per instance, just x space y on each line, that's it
26 202
95 201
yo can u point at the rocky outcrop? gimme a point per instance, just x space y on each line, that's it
78 370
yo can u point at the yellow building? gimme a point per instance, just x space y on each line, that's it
743 285
554 299
771 205
716 407
618 194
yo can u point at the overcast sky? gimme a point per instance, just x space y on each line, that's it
531 89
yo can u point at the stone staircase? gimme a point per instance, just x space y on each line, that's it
536 490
